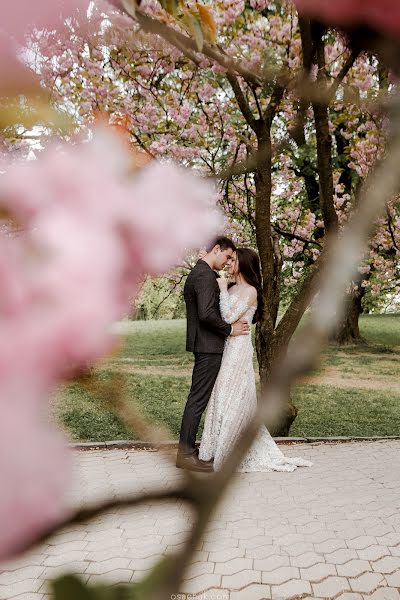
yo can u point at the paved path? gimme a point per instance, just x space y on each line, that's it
332 531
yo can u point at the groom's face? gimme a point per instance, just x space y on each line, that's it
222 257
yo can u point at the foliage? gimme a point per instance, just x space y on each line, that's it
159 298
180 104
158 370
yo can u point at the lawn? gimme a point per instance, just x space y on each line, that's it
354 391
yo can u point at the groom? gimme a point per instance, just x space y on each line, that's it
205 337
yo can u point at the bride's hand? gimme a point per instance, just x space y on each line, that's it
223 282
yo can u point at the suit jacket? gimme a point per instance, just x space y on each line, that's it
206 331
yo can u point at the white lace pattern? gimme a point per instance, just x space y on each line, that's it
233 401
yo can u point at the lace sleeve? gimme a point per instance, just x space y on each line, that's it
234 306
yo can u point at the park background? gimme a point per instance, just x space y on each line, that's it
288 171
354 392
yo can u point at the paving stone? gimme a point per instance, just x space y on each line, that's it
105 566
366 583
214 594
308 559
25 587
235 565
299 549
240 580
331 587
261 551
373 553
361 542
223 544
112 577
334 530
280 575
385 593
199 568
390 539
330 546
225 555
353 568
246 533
388 564
340 557
10 577
271 563
34 596
139 575
317 572
255 591
291 589
199 584
393 579
254 542
64 559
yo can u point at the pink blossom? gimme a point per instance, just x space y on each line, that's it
34 468
259 4
19 16
90 234
378 14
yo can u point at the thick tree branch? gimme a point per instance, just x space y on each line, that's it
179 40
294 313
324 144
242 101
293 236
274 103
331 92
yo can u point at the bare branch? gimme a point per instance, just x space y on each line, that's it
293 236
242 101
331 92
179 40
87 514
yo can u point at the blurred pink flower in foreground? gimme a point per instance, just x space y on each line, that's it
383 15
17 19
91 232
19 16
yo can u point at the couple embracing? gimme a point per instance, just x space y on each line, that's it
219 334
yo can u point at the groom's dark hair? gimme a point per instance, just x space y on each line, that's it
223 242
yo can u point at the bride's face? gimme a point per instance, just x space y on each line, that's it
233 268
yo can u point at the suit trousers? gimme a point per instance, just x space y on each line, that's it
205 372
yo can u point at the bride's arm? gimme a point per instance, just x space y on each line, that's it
234 306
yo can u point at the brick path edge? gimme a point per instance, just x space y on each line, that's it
140 445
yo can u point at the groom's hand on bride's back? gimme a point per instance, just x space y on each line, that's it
240 328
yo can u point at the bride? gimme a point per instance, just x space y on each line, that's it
233 400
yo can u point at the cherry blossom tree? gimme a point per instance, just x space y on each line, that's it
219 90
271 120
70 261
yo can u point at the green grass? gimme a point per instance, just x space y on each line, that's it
326 411
157 373
381 329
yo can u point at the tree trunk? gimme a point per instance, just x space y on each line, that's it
267 354
347 332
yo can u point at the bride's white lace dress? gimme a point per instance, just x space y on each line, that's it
233 400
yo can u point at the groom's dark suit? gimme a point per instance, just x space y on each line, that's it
205 337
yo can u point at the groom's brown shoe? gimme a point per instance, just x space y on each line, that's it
192 463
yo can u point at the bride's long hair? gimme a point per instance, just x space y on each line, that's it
249 268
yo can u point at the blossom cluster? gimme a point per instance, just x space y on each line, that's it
87 234
383 15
